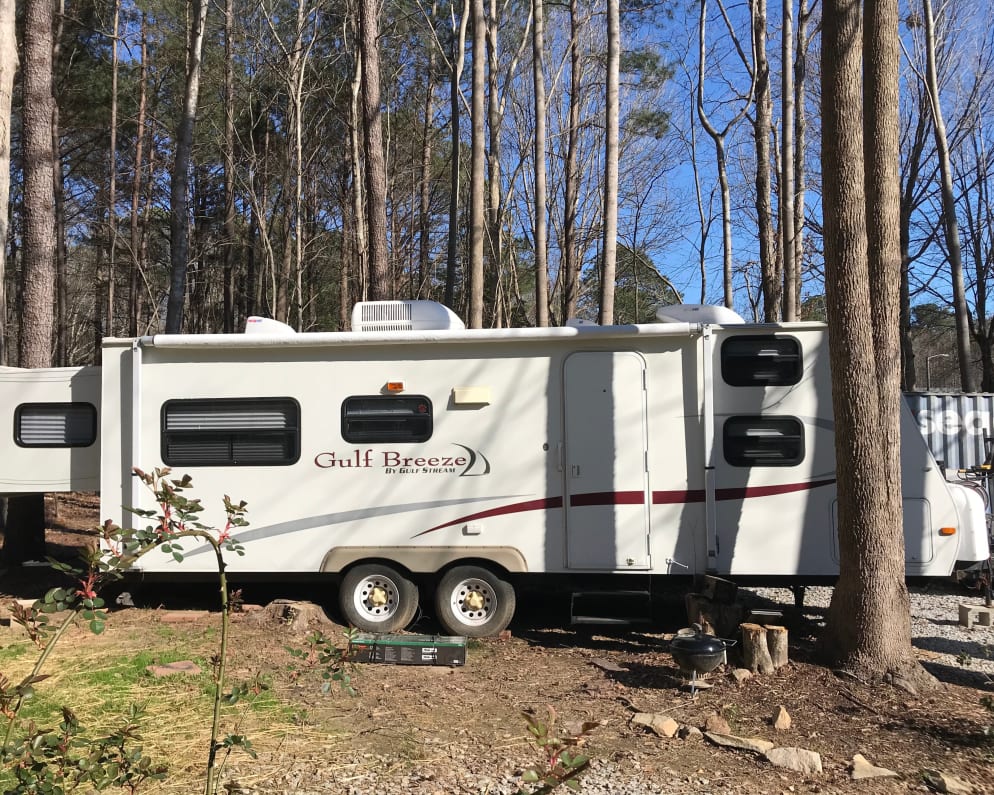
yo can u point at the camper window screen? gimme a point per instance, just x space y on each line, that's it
761 361
764 441
55 425
231 432
386 418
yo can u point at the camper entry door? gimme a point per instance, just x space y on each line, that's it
606 490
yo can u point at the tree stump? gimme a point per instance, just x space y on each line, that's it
776 642
755 652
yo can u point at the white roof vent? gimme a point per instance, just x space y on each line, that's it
403 316
698 313
266 325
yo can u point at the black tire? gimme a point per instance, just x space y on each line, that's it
473 601
374 597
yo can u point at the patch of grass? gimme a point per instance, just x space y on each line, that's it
14 651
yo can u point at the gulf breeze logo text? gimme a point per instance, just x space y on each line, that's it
466 462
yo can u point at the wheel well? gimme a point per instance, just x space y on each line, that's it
374 561
482 563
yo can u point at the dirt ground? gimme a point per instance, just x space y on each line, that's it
439 730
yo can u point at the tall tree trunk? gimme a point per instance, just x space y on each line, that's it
179 212
8 67
360 249
134 277
477 167
869 630
541 228
761 127
457 60
61 255
787 185
38 292
609 252
571 253
112 178
424 208
372 133
494 192
800 142
230 232
950 228
25 531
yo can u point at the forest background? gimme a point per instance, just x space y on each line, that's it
715 169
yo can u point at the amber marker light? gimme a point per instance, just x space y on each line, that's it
947 531
395 386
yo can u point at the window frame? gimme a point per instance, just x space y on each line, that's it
740 461
351 437
292 433
19 411
739 377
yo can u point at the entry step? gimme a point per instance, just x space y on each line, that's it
615 608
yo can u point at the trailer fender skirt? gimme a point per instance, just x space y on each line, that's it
424 560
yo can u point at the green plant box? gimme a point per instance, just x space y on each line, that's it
409 649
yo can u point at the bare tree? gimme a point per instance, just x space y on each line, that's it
179 223
571 255
790 266
8 66
541 229
719 136
477 198
950 226
868 631
609 247
375 164
762 124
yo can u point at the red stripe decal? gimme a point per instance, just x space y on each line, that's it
608 498
675 497
768 491
517 507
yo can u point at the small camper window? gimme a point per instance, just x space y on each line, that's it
55 425
763 441
761 361
386 418
231 432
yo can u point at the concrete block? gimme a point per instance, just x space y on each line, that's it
976 614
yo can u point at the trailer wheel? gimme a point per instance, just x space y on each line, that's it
474 602
375 597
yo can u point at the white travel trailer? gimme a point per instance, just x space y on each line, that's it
415 459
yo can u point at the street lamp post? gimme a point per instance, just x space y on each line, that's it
928 368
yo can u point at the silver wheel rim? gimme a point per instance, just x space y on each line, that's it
473 602
376 598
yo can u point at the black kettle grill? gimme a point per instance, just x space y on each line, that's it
698 653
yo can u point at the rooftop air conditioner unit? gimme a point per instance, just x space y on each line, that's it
381 316
266 325
698 313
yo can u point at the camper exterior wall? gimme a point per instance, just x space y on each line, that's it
33 469
591 455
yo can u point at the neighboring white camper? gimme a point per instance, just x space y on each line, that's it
422 462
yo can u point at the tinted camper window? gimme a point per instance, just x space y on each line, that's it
386 418
763 441
55 425
761 361
231 432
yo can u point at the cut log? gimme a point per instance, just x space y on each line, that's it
755 653
776 642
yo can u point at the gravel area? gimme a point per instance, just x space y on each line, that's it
935 627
